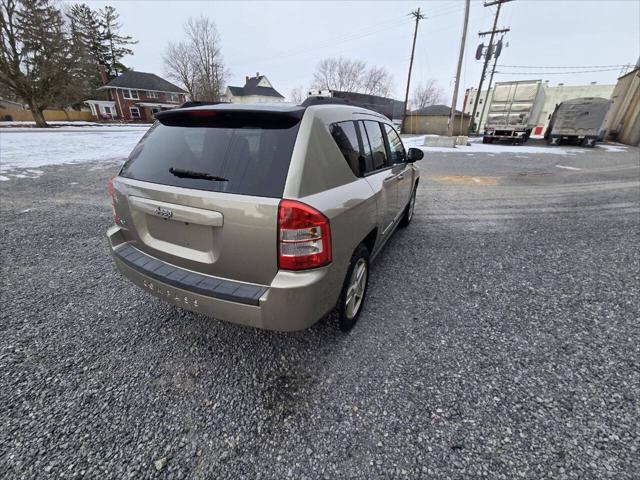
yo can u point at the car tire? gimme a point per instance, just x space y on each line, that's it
408 210
354 290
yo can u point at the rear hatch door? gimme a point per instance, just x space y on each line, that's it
201 190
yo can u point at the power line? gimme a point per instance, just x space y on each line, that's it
443 13
443 8
587 66
356 35
557 73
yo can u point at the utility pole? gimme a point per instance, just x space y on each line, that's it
452 115
486 96
492 32
418 16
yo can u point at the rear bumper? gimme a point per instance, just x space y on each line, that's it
293 300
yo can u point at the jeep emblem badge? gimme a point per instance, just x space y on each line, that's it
164 213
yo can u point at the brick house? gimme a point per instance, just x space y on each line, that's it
136 96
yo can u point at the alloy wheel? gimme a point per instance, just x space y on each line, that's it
357 286
411 206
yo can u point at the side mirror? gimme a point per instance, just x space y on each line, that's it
414 154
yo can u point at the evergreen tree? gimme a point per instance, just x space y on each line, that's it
116 44
89 49
84 70
90 33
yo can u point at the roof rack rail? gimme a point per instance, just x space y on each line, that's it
320 100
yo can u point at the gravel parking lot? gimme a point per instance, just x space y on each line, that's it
500 340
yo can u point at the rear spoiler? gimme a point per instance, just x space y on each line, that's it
230 118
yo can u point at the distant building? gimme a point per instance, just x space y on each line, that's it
434 120
553 96
136 96
256 89
623 119
390 108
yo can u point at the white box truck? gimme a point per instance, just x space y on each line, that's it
514 111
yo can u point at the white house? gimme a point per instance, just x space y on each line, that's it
256 89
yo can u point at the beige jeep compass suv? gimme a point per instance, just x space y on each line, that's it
264 215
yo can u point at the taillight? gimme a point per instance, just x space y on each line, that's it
112 194
304 237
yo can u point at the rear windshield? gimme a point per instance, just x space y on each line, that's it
221 156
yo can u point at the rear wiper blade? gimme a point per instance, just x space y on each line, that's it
178 172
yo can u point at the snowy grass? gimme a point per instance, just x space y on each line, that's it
28 148
29 124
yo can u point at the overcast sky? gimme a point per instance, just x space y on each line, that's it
285 40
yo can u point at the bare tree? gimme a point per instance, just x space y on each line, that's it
181 67
425 94
351 76
36 61
377 81
197 62
296 95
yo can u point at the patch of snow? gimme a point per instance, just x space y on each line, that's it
75 128
476 146
70 123
567 167
612 148
31 148
104 166
3 178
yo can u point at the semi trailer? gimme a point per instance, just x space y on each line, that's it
578 121
513 111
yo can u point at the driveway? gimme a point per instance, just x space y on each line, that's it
500 340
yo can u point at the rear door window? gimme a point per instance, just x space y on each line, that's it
345 135
377 143
236 154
